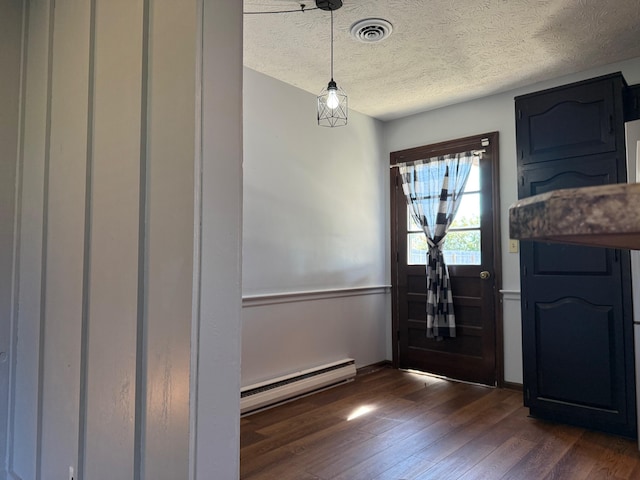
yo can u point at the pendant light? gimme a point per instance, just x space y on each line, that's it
332 101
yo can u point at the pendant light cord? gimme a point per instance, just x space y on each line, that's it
331 45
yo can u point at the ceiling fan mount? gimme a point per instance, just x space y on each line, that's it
328 5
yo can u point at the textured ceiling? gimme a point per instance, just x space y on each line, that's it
441 51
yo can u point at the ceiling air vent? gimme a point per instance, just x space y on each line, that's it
371 30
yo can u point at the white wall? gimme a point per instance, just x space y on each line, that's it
10 56
315 202
485 115
102 373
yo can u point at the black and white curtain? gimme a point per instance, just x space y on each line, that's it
433 188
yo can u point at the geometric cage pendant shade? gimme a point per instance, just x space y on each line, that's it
332 101
332 106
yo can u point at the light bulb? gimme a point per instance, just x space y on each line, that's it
332 100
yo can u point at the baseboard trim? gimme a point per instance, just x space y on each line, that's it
374 367
512 386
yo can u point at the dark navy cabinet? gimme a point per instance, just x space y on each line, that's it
576 301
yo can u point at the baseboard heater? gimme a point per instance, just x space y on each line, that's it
265 394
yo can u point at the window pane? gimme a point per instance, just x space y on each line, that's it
462 248
469 212
416 249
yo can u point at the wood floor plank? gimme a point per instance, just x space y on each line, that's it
328 444
457 464
498 462
542 458
635 473
408 469
617 457
292 469
269 417
249 437
575 464
420 428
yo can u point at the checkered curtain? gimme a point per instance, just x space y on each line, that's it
433 189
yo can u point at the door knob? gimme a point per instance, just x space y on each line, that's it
484 275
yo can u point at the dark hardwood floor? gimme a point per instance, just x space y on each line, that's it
420 427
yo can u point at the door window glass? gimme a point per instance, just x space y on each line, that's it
463 241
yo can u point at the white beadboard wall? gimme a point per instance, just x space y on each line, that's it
104 360
315 219
10 47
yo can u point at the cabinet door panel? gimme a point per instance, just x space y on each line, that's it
580 124
561 259
567 122
574 173
576 345
575 367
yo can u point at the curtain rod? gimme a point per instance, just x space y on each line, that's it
397 165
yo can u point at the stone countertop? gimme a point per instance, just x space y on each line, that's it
604 216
